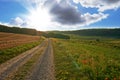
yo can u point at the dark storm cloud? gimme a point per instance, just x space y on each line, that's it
111 1
67 15
64 13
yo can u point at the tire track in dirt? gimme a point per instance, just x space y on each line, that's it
13 64
44 69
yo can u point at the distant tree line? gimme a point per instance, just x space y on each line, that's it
18 30
96 32
28 31
55 35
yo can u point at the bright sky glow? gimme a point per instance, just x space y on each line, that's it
39 18
60 14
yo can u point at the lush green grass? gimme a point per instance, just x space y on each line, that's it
109 33
87 59
12 52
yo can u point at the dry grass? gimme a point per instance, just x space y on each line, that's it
8 40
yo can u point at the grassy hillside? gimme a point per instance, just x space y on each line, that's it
4 28
87 59
29 31
113 33
55 35
8 40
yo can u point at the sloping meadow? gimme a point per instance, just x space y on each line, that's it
87 59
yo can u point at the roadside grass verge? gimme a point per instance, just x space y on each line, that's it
86 60
7 54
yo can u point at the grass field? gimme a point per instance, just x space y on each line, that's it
80 58
9 40
87 59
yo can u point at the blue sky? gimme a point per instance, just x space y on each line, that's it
9 10
60 14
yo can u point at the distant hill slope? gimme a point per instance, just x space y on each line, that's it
55 35
9 40
29 31
115 33
4 28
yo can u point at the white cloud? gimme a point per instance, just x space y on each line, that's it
17 21
87 20
40 18
92 18
1 23
102 5
61 14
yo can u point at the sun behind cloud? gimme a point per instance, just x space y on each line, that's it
61 14
44 15
39 17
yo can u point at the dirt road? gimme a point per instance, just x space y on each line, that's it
43 69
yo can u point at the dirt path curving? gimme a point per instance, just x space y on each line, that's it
13 64
44 68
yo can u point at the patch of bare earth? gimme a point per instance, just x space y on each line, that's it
44 68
